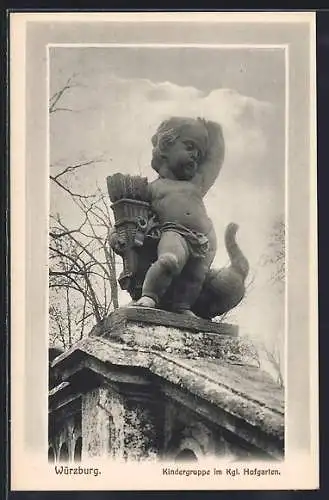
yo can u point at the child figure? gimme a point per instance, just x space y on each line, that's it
188 155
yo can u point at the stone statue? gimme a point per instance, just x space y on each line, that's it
168 259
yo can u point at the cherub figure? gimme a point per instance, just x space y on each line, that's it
188 155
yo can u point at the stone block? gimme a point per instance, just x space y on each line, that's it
161 331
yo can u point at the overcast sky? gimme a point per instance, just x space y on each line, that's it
124 93
256 73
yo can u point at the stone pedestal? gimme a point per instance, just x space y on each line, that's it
191 338
155 385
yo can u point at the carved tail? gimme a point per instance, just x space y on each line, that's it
238 261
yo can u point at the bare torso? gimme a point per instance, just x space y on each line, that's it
180 202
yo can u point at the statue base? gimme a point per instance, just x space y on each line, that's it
188 337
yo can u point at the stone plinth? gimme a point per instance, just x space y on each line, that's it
192 338
151 381
145 316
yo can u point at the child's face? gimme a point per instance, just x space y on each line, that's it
181 157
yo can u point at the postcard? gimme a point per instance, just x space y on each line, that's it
163 251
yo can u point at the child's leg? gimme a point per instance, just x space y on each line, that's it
189 285
173 253
191 280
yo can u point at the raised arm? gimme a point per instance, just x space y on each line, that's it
210 167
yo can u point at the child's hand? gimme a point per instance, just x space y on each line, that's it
215 132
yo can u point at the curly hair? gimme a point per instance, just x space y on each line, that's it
192 129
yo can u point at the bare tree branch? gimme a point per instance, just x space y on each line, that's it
68 190
55 98
81 261
72 168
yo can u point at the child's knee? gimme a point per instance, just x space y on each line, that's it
169 263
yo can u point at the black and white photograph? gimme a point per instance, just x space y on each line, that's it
164 262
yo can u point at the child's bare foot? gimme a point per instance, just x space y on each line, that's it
145 302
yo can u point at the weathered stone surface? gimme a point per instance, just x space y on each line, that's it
135 426
187 344
225 386
258 385
183 429
128 372
143 316
124 428
172 333
238 403
95 425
